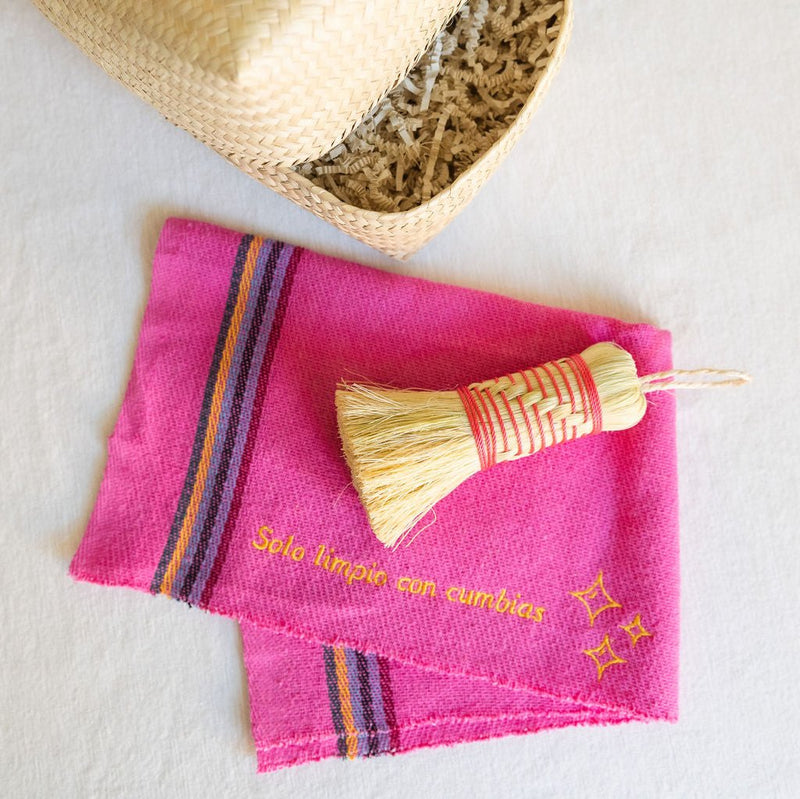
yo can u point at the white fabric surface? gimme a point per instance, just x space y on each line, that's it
660 182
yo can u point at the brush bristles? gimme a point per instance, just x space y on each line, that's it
406 451
409 449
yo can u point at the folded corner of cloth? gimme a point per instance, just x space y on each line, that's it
544 595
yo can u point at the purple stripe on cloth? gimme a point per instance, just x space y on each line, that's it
362 737
264 334
366 701
384 741
255 423
219 488
224 418
200 434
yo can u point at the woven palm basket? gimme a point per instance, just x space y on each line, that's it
278 86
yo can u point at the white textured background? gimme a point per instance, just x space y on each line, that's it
659 182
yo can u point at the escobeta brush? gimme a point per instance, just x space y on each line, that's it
409 449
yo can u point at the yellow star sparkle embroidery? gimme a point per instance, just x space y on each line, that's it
635 630
594 594
603 656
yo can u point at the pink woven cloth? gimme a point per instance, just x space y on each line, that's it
544 594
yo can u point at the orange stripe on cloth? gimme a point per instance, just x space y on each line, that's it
346 702
213 419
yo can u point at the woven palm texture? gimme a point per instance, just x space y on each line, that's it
272 84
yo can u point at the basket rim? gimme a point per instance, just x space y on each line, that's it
396 233
534 98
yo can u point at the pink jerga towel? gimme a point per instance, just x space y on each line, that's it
305 708
545 593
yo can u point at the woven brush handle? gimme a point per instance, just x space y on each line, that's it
409 449
521 413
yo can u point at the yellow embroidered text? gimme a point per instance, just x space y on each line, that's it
327 560
413 585
276 546
500 603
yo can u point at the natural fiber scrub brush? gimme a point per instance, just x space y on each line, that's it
408 449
